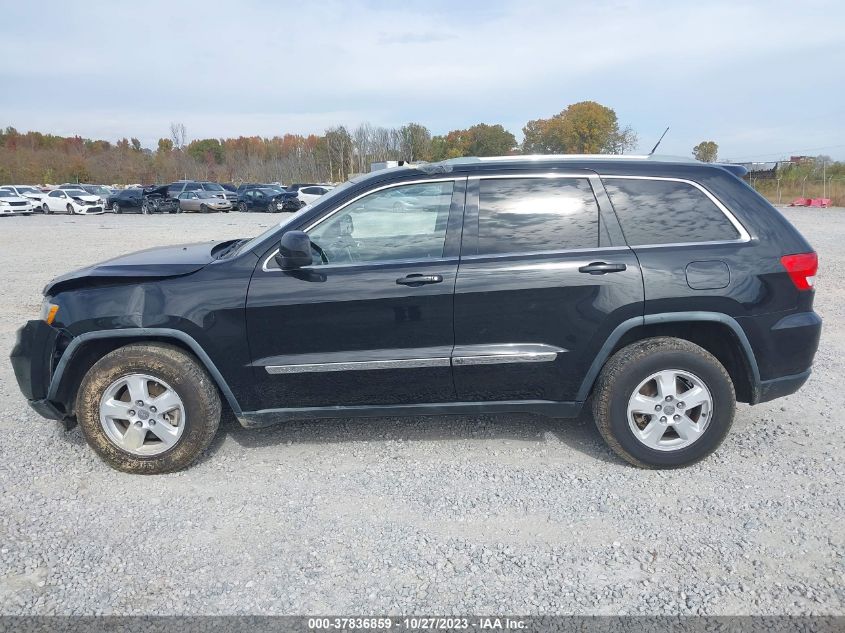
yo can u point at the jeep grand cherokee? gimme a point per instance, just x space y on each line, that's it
660 292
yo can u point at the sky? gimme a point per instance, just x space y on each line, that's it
763 79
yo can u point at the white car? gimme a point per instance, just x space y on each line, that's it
27 191
73 201
10 204
312 192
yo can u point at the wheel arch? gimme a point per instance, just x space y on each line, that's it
716 332
86 349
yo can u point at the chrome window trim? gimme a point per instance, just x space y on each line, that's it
587 173
391 185
744 236
366 365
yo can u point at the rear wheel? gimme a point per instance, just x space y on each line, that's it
45 209
145 208
148 408
203 208
242 206
663 403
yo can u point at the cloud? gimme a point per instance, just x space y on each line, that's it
739 73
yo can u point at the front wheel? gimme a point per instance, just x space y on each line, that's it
663 403
203 208
242 207
145 209
116 208
70 209
148 408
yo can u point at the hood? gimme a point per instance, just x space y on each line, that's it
160 262
88 197
13 199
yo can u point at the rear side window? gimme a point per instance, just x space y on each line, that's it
532 215
666 212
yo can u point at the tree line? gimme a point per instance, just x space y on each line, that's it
335 155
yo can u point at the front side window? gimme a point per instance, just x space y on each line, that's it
532 215
400 223
666 212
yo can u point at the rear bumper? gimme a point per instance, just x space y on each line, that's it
780 387
784 347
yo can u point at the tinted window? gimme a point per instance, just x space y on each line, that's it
666 212
519 215
407 222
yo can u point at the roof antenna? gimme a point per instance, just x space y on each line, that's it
653 149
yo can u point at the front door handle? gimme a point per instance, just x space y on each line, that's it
601 268
419 280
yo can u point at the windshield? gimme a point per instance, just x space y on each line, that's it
98 190
270 191
76 192
212 186
28 190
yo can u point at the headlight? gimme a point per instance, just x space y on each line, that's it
48 312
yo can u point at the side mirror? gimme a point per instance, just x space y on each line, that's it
294 251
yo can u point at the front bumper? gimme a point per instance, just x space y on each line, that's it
21 210
94 210
32 360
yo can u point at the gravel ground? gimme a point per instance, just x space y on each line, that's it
506 514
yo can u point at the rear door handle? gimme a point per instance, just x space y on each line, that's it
419 280
601 268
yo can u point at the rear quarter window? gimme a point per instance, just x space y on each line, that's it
666 212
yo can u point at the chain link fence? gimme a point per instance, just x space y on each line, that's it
782 191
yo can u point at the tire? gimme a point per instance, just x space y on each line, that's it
145 209
619 383
203 208
116 208
70 210
183 375
45 209
242 207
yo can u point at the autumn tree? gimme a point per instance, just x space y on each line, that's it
706 151
582 128
478 140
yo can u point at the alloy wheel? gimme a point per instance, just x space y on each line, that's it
670 410
142 415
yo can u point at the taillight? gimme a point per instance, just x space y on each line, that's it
802 269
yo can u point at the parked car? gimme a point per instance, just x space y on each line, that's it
34 194
13 204
73 201
659 292
203 202
309 193
149 200
267 199
95 190
181 186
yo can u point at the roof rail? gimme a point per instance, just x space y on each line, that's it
566 157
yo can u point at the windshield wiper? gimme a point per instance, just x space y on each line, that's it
230 248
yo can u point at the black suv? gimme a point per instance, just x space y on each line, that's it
661 292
